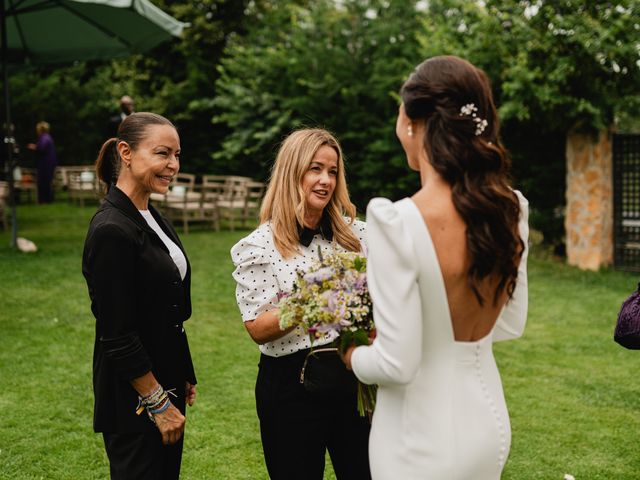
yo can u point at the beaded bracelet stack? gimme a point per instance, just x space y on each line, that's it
154 403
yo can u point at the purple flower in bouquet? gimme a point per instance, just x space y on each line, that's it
335 304
361 282
328 327
319 276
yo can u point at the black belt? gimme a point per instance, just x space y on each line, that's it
295 357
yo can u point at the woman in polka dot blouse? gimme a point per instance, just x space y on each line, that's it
306 206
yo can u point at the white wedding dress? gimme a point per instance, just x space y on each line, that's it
440 413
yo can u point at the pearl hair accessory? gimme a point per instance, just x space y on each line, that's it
469 110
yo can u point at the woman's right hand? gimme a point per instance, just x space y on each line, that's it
171 425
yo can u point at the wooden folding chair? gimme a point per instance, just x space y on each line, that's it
252 201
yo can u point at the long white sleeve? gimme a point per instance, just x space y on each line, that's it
513 318
394 357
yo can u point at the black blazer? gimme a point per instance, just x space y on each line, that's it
139 302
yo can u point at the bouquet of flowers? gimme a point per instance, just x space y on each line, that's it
332 295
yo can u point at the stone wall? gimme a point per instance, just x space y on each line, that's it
589 214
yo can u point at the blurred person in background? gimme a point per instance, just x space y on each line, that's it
46 161
127 107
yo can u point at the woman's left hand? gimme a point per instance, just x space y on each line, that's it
190 394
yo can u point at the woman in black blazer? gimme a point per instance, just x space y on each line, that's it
139 283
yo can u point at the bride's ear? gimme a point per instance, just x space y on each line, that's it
405 130
418 128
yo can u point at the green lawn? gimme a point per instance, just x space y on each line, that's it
570 389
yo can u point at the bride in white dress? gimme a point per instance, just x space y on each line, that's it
447 275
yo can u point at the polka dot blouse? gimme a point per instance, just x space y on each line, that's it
261 273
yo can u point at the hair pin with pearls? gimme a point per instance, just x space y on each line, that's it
469 110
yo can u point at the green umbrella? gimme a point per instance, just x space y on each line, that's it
39 32
60 31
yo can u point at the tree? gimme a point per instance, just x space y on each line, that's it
557 66
183 77
67 98
331 64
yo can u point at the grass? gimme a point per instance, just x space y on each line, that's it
571 391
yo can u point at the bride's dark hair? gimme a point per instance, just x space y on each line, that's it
472 160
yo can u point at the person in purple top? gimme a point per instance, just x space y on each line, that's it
46 162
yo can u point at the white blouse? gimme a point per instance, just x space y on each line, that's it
174 251
261 273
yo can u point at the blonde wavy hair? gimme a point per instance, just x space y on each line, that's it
284 203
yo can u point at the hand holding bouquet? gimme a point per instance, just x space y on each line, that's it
333 296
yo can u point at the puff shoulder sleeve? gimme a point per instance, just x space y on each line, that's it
394 357
256 284
512 319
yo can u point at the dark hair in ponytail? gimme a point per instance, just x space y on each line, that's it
472 160
132 130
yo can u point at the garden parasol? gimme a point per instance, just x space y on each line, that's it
49 32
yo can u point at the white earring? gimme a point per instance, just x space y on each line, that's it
410 130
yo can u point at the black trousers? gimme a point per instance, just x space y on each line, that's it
298 427
142 456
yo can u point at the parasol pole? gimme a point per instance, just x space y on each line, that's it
8 134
